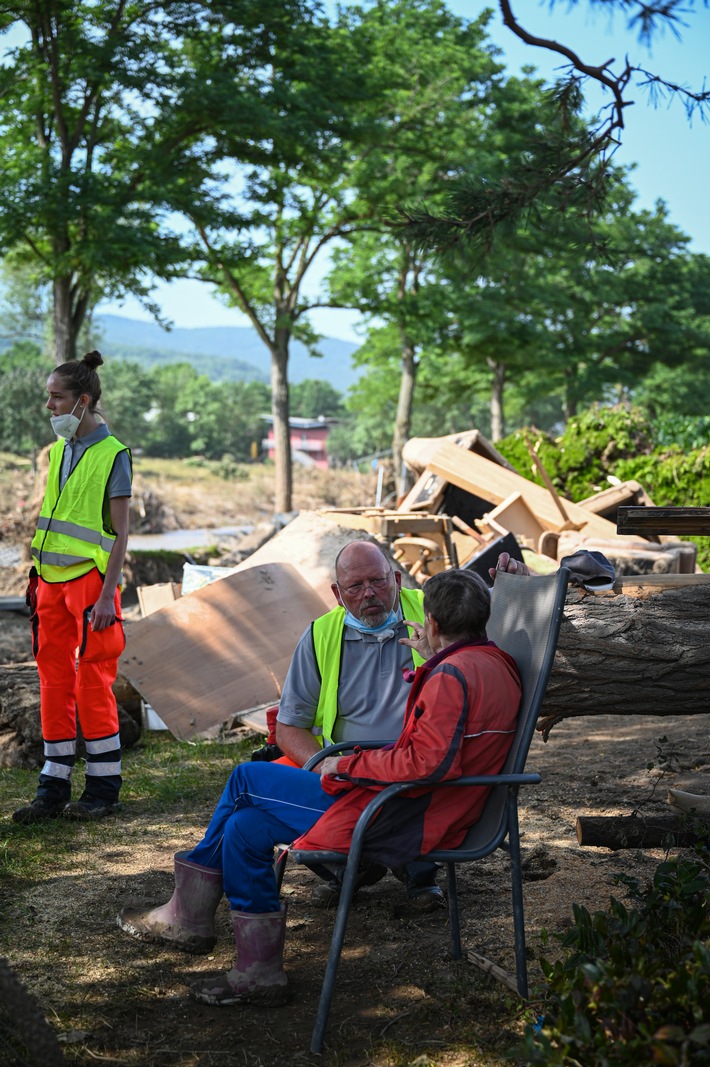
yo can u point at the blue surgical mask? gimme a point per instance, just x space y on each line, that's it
389 624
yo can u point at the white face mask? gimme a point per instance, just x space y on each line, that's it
66 425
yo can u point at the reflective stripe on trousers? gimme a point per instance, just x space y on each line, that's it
262 805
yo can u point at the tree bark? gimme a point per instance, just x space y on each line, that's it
283 476
636 831
639 649
497 409
404 411
64 333
407 291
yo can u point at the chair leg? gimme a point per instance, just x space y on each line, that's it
453 901
521 965
336 945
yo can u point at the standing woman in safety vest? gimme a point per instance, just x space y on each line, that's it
74 594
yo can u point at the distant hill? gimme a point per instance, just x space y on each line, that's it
223 353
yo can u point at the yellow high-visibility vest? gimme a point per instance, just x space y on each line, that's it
327 644
71 537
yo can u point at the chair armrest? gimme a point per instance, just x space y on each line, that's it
396 788
339 748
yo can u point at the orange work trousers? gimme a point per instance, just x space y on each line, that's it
72 683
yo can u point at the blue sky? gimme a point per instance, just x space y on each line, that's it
671 155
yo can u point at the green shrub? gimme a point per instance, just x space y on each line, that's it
634 985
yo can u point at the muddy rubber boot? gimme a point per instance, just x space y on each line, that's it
187 920
258 975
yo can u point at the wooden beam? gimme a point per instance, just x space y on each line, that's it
652 520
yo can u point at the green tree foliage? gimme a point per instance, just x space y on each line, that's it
24 426
107 112
261 236
452 105
170 412
554 326
312 397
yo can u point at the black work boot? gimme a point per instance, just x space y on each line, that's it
44 806
419 880
89 807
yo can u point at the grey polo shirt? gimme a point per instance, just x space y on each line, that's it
119 483
372 693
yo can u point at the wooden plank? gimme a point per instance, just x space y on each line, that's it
418 451
515 515
608 500
222 649
153 597
652 520
492 482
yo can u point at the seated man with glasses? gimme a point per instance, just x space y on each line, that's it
348 681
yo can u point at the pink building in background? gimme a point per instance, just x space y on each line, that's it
308 440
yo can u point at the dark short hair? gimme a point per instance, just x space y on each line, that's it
460 602
81 377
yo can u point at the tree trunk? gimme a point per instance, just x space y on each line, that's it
639 649
403 418
637 831
497 411
283 477
64 331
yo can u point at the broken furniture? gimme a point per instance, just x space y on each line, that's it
525 620
486 498
421 544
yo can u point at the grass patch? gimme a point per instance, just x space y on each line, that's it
162 778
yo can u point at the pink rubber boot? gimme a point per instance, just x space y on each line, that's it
258 975
187 920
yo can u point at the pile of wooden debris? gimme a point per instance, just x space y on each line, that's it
469 504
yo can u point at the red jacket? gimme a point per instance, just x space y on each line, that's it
460 720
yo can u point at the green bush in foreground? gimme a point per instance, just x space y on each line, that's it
634 987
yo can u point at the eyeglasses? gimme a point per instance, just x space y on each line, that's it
378 585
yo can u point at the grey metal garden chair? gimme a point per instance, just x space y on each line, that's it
525 621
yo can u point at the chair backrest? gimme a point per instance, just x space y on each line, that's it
526 613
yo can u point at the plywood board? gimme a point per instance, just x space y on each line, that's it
222 649
153 597
515 515
492 482
427 492
418 451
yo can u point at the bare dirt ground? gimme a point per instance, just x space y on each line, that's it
400 1000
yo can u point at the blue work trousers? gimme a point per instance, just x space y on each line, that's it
263 805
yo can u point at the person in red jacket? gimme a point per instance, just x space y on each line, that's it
460 720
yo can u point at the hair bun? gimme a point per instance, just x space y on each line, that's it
93 359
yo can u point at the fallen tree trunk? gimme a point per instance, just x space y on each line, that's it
636 831
639 649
